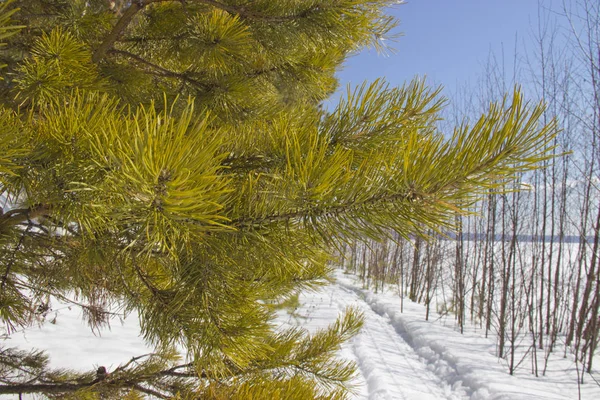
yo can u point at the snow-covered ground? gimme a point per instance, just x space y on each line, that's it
402 356
399 355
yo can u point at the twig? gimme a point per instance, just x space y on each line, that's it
13 258
18 215
118 29
140 388
158 70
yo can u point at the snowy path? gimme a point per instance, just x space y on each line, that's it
400 356
389 367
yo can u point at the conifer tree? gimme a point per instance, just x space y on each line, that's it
173 158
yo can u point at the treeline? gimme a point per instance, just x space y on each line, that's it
525 266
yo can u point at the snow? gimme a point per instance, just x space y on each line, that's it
402 356
399 355
70 342
464 363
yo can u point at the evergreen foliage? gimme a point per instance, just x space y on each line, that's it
172 158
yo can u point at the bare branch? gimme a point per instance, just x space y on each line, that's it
157 69
119 28
18 215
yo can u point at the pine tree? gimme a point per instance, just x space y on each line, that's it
173 158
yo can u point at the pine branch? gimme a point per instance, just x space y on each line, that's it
16 216
141 39
158 70
138 5
133 360
57 388
245 13
42 388
119 28
119 378
13 257
151 392
344 208
251 163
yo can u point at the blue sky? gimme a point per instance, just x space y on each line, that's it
447 40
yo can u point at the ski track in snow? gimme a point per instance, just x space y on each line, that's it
396 372
389 366
463 366
400 356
